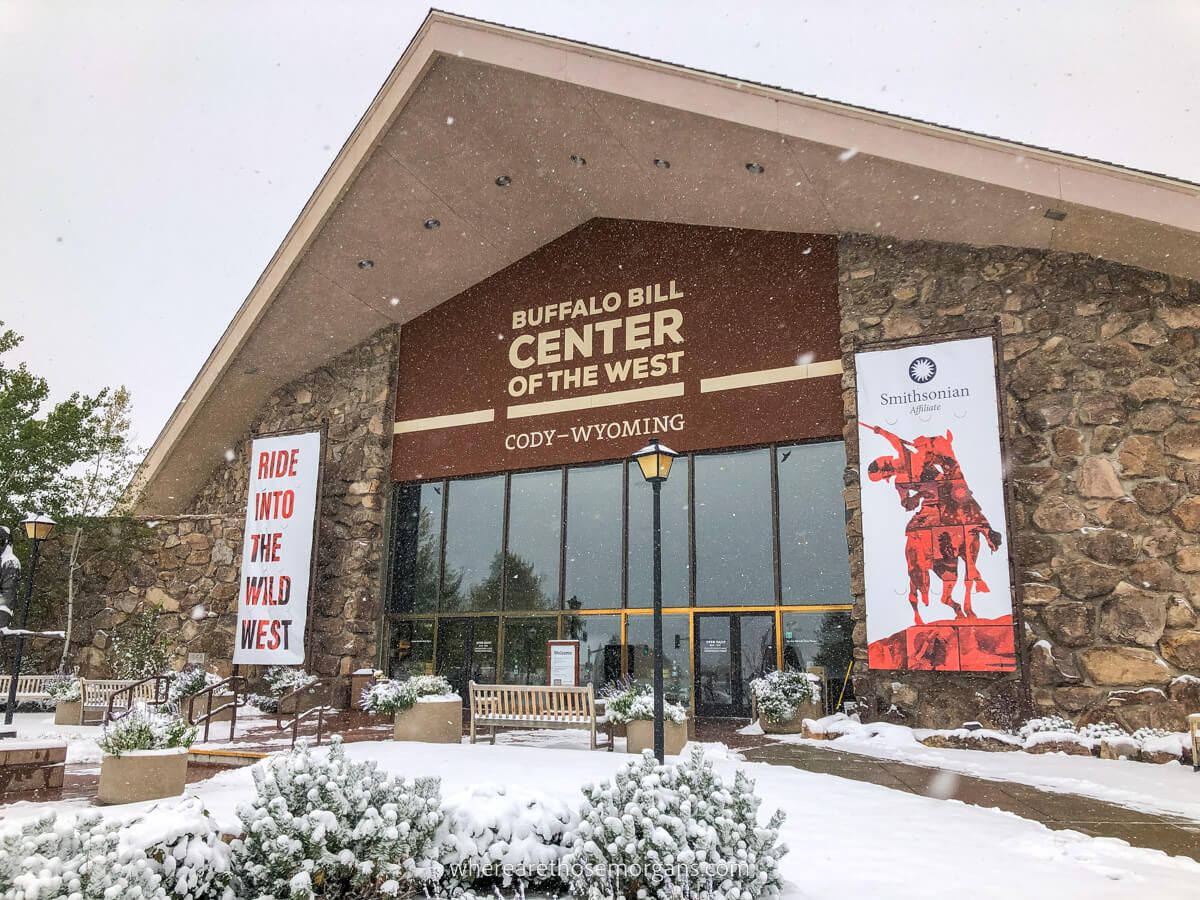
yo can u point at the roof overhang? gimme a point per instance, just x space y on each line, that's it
470 101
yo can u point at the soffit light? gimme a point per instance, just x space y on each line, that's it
655 461
1056 215
755 168
503 181
433 223
578 160
663 163
365 264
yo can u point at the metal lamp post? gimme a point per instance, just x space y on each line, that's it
655 461
37 529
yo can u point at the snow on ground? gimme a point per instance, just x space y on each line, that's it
848 839
80 739
1169 788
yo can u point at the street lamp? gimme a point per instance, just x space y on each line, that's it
37 529
655 461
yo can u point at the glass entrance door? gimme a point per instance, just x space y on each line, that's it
731 649
466 651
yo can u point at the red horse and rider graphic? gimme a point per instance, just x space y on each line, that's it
948 526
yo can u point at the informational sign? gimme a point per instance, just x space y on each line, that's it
277 549
935 539
563 663
617 332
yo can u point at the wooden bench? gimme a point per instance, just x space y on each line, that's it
95 694
536 706
29 687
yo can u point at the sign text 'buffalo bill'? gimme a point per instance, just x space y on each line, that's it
935 540
616 332
277 549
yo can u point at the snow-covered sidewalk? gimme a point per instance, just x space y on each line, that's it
1167 789
847 839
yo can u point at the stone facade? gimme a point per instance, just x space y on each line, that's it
1103 398
187 566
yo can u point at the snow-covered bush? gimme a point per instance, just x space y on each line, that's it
1045 723
93 859
501 837
1098 731
633 701
285 679
65 689
263 702
189 682
1149 734
141 648
778 695
390 697
323 826
143 729
674 831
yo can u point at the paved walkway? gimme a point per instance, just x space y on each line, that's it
1177 837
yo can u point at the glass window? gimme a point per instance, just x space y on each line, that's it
676 588
534 541
823 640
417 554
734 556
594 537
813 560
525 647
474 520
599 647
677 654
412 648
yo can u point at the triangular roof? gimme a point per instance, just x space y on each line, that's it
470 101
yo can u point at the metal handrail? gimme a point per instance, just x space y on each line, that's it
236 685
162 691
298 717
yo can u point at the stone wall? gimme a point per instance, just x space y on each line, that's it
188 565
1103 394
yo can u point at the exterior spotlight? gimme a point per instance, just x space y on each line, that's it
578 160
503 181
365 264
431 224
663 163
655 461
755 168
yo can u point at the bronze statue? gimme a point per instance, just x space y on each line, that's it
10 577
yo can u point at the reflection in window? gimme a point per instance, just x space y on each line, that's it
525 646
594 537
474 521
734 557
412 649
813 559
676 589
418 529
677 654
534 541
599 647
823 640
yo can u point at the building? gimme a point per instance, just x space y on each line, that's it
531 255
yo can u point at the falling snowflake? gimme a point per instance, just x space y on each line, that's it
449 120
848 154
805 358
229 455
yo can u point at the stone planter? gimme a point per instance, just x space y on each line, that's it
432 720
639 736
808 710
68 712
301 702
143 775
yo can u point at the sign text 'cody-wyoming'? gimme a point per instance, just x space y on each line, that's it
277 549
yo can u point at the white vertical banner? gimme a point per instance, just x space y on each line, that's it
277 549
935 539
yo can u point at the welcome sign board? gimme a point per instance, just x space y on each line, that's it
277 549
935 538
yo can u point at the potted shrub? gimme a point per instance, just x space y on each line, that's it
67 694
632 705
188 682
425 708
785 699
145 757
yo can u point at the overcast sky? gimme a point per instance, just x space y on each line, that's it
154 153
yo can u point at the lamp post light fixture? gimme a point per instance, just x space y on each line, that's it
37 529
655 461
